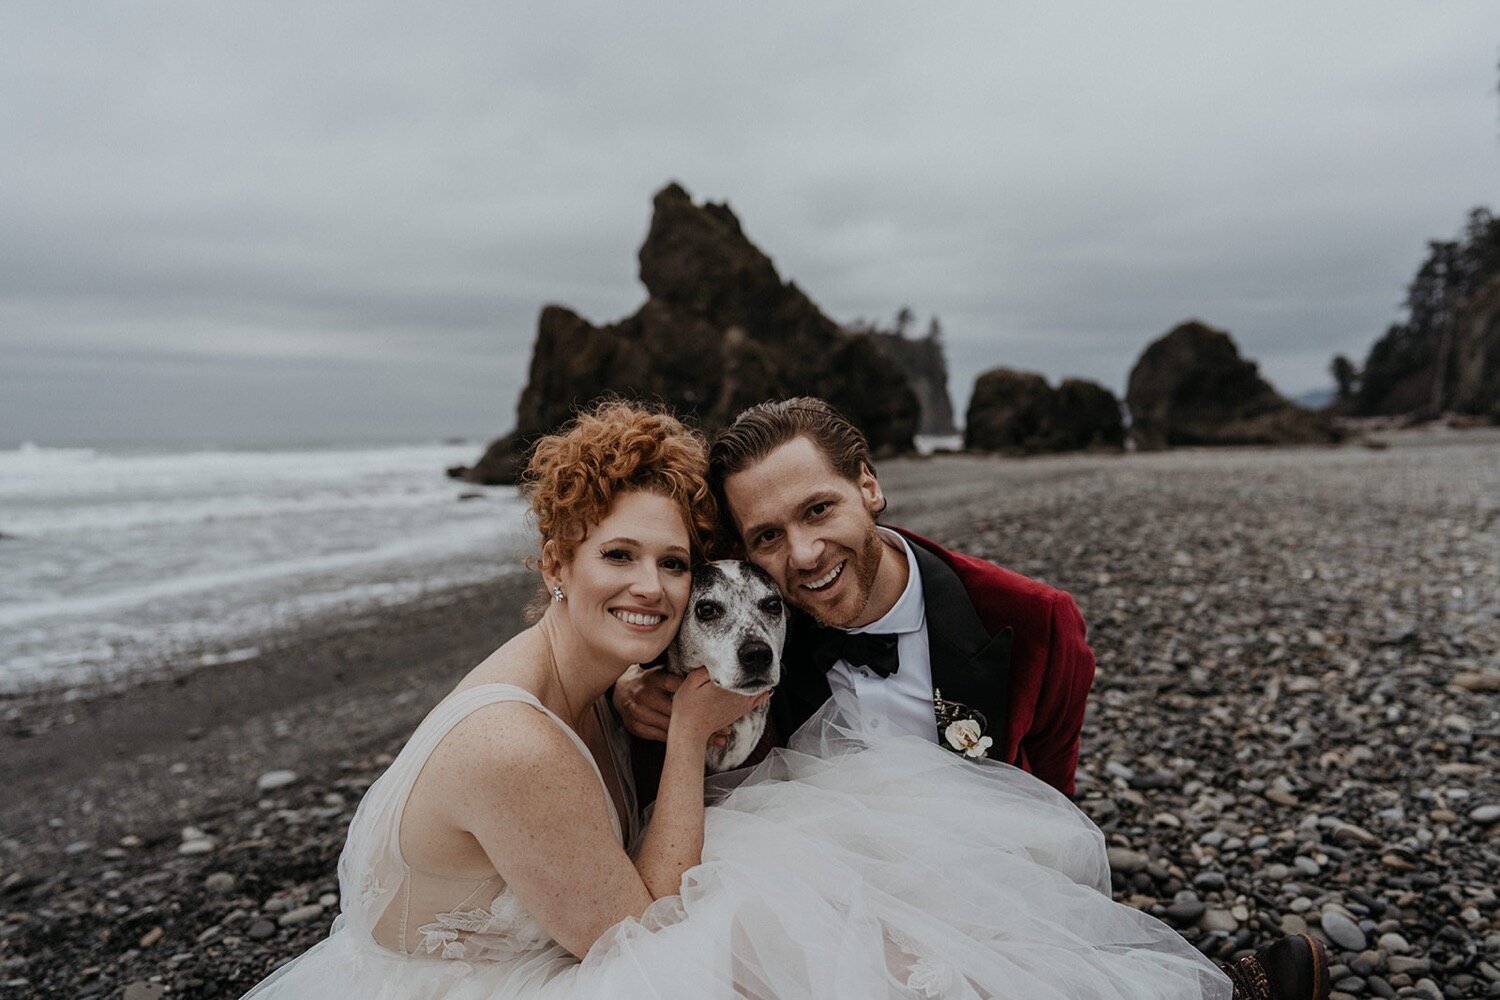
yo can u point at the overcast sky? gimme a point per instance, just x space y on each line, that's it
269 222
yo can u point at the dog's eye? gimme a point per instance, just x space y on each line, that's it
707 611
771 606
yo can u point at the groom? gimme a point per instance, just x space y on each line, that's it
934 643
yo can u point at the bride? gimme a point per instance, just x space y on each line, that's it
497 857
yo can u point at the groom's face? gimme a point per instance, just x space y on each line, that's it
812 529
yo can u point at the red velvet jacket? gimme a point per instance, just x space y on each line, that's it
1051 666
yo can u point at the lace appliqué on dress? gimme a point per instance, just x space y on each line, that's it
369 886
930 978
471 935
925 975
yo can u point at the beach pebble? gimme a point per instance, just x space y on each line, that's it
219 883
1408 965
1342 931
1186 911
188 848
144 991
1211 881
1354 834
1219 920
1485 815
300 915
260 930
272 780
152 936
1393 944
1126 861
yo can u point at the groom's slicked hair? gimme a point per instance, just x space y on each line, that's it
763 428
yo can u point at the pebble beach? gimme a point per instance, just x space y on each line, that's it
1295 725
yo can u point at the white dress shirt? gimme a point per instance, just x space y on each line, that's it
902 701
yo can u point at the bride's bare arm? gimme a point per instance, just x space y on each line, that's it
535 806
519 785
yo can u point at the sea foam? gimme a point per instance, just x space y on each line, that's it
114 562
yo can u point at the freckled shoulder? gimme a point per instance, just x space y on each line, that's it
508 742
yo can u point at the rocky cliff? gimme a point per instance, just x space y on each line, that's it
1445 355
1476 354
1192 387
719 331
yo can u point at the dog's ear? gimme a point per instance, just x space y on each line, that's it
754 572
706 575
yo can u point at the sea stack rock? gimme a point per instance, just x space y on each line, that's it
926 369
1019 413
1192 387
719 331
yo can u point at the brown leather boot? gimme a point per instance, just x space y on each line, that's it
1294 968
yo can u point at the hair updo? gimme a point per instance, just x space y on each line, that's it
615 447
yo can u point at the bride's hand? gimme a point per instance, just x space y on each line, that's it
704 708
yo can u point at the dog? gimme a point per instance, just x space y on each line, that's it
735 626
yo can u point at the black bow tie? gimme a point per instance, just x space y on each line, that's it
875 650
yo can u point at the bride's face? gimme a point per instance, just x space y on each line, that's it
627 583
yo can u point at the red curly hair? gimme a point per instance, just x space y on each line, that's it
617 447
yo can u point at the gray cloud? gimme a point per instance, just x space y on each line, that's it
243 210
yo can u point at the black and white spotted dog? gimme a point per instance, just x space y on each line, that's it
735 626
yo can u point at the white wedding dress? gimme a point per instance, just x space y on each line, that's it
848 865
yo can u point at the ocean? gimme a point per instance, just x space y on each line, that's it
115 562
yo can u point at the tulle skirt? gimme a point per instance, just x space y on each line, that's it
847 865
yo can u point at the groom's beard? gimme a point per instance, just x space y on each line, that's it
864 565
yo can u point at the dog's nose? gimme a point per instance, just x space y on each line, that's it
755 656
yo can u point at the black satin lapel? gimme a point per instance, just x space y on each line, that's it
968 664
803 688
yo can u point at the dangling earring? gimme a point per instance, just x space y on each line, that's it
557 594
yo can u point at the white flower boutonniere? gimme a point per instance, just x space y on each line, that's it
964 736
